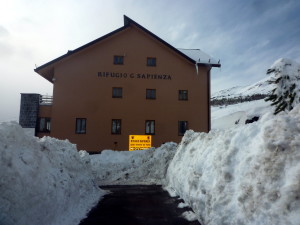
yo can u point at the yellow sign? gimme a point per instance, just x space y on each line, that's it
139 142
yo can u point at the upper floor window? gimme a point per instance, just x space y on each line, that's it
117 92
150 93
116 126
182 127
80 125
151 61
183 95
44 124
118 60
150 126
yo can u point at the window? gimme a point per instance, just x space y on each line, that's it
183 95
116 126
182 127
117 92
151 61
118 60
150 126
150 93
44 124
80 125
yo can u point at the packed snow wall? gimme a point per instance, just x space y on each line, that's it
249 174
133 167
43 181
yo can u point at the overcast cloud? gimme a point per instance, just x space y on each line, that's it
247 36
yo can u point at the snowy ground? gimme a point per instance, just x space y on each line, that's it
43 181
231 115
244 174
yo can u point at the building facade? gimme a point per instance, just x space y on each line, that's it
128 82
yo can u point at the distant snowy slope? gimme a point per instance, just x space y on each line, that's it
262 87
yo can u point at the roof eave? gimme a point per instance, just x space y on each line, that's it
210 64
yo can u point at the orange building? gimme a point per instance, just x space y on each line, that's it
128 82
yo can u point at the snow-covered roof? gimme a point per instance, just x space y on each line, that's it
199 56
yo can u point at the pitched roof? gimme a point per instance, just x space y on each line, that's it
192 55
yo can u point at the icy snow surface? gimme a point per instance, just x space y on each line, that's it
43 181
247 174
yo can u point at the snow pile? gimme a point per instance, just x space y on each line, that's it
244 175
43 181
136 167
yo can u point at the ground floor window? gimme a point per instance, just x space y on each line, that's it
116 126
80 125
150 127
44 124
182 127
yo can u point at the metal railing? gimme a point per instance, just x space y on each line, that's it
46 100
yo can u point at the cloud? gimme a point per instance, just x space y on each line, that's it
6 49
3 32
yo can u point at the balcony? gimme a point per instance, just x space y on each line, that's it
46 100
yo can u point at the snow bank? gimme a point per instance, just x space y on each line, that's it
244 175
43 181
136 167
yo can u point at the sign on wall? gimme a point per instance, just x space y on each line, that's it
139 142
135 76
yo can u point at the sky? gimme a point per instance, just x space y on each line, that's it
247 36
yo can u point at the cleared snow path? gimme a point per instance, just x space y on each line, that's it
137 204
